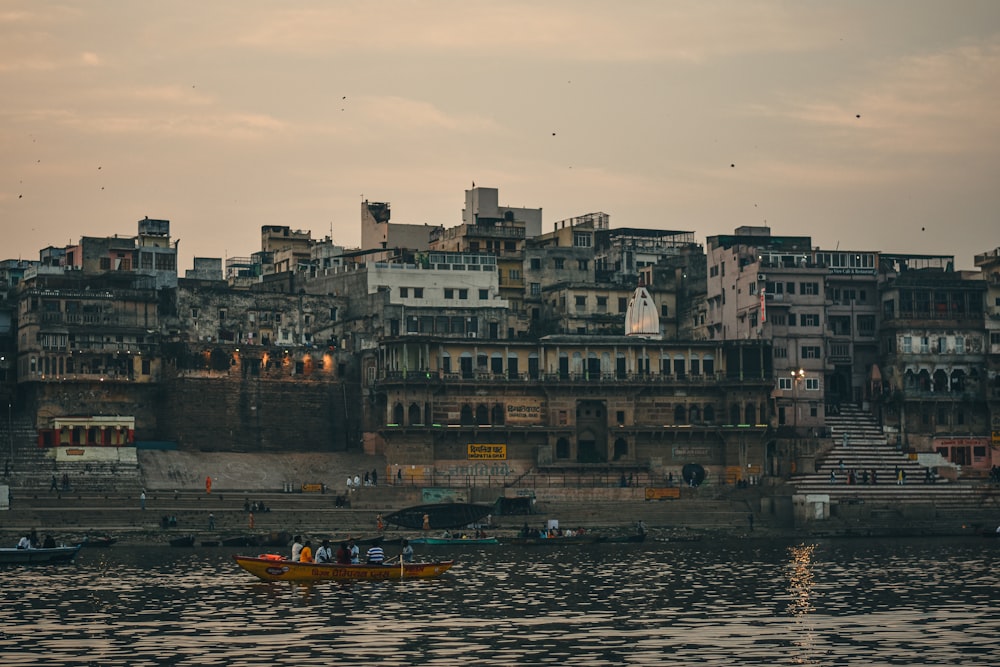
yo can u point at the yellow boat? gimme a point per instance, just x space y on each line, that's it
274 568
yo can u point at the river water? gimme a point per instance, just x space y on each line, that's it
751 602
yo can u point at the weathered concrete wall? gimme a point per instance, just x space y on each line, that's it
234 414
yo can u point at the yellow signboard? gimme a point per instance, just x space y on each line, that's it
487 452
662 493
996 439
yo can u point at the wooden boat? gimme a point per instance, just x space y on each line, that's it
637 538
453 541
270 567
534 541
183 541
32 556
98 541
440 516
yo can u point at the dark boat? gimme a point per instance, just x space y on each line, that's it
184 541
439 516
636 538
31 556
276 539
98 541
536 541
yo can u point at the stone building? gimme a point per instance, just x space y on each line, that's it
934 352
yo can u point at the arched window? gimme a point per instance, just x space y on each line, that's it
680 415
482 415
709 414
695 415
751 414
397 414
414 414
466 417
734 414
621 449
940 380
497 415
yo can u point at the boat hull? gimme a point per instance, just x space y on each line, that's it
32 556
440 516
555 541
454 541
271 569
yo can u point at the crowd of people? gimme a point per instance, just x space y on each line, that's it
348 553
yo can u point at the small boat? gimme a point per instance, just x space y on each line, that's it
183 541
454 541
32 556
637 538
534 541
440 516
98 541
271 567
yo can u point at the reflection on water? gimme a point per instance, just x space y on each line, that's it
750 602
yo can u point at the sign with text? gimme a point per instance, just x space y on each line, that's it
487 452
662 493
524 411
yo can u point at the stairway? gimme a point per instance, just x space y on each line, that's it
860 446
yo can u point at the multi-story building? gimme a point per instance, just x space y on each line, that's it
989 264
764 287
934 351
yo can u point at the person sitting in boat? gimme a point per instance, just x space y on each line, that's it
324 554
375 554
296 547
306 555
24 543
354 550
407 554
343 554
48 542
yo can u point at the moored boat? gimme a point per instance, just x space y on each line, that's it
32 556
454 541
270 567
183 541
439 516
533 541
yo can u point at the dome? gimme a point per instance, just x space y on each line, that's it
641 318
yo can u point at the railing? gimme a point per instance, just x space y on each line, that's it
604 377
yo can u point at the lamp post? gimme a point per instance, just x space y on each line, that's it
797 377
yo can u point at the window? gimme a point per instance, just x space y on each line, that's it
942 345
449 293
463 294
790 288
514 274
779 320
785 384
418 292
780 352
791 319
664 310
581 301
812 384
925 344
622 304
535 289
536 263
222 315
560 263
810 319
866 325
959 345
581 240
808 288
810 352
194 313
484 294
404 292
602 303
907 344
582 264
995 338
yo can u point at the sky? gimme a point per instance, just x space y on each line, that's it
865 124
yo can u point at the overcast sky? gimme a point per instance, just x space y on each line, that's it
866 124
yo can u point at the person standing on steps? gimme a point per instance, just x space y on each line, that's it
142 500
211 521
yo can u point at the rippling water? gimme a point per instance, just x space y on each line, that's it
875 602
